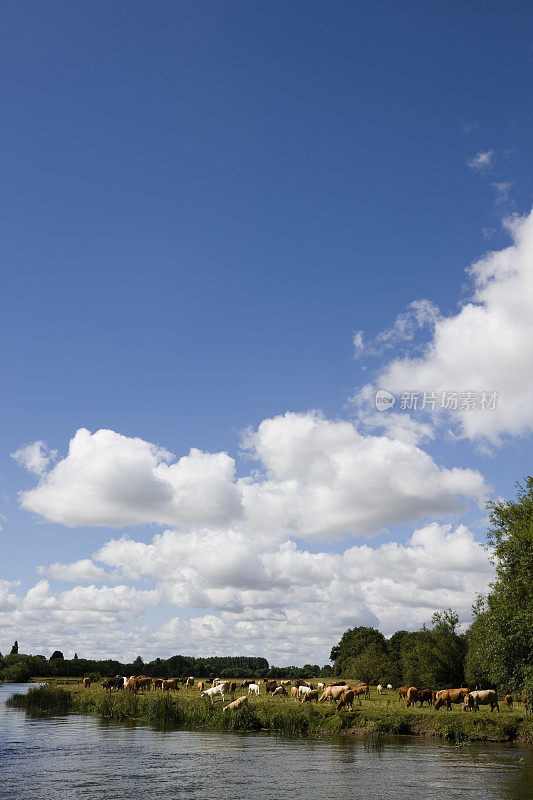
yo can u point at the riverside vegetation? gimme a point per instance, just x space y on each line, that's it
381 714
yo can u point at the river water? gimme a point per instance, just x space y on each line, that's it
75 757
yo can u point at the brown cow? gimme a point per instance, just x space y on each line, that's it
346 699
189 681
364 689
412 696
171 684
294 692
142 682
270 686
312 695
508 701
201 685
238 703
157 683
402 693
86 683
449 696
285 683
279 691
425 696
231 687
524 699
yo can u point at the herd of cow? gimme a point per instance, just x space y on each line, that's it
306 692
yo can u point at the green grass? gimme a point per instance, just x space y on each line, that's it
186 709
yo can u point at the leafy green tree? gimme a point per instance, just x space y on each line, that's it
369 666
500 639
353 642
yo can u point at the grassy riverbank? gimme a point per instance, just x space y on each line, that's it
379 715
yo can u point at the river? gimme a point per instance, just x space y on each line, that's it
75 757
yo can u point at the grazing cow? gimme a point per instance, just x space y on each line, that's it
270 686
294 692
279 691
379 688
389 686
253 688
483 697
232 687
116 683
448 696
364 689
171 684
285 683
312 694
320 687
238 703
299 683
157 683
331 693
303 690
143 682
215 691
402 693
425 696
201 685
245 684
508 701
412 696
524 699
346 699
189 681
86 683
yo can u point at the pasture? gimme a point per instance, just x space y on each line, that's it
377 715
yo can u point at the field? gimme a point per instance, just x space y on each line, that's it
186 709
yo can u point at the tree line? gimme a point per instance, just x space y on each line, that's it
496 651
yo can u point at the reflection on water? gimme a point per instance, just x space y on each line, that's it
75 757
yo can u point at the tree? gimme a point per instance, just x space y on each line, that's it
56 654
500 639
353 642
15 648
371 665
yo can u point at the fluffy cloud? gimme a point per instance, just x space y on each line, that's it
487 346
240 595
113 480
318 478
82 571
35 457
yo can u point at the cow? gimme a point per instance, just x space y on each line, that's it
86 683
285 683
508 701
245 684
299 683
320 687
189 681
116 683
346 699
449 696
425 696
303 690
524 699
312 694
201 686
402 693
379 688
215 691
238 703
483 697
389 686
171 684
157 683
412 696
142 682
336 683
281 690
270 686
364 689
253 688
232 687
331 693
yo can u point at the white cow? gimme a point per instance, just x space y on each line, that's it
253 689
320 687
219 689
379 688
302 690
389 686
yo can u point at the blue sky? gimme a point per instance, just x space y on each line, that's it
203 203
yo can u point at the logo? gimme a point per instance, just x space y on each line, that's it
384 400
